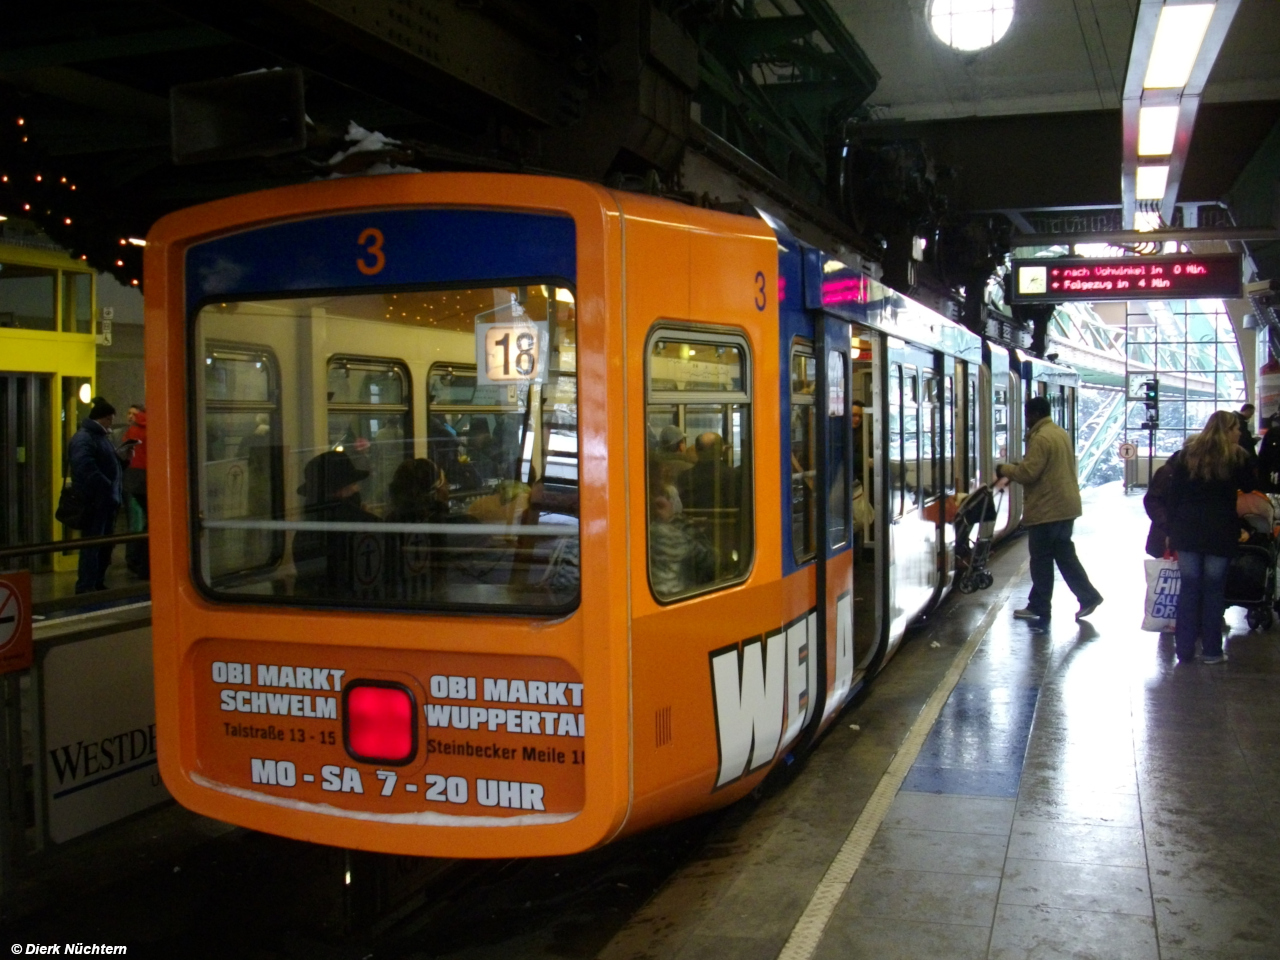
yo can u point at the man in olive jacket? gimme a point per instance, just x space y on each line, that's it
1050 507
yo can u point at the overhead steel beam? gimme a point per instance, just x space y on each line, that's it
111 48
1120 237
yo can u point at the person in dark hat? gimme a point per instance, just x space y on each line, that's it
96 471
326 560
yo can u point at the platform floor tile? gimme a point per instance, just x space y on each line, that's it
1082 796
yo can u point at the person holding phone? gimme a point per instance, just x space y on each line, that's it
136 554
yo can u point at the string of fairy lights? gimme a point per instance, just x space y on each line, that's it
34 190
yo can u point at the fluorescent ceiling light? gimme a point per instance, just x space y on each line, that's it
1178 37
1156 127
1151 183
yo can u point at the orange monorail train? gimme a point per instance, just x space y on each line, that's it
446 465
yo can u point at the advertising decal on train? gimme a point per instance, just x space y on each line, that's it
382 248
412 736
763 690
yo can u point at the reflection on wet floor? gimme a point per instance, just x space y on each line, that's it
1137 815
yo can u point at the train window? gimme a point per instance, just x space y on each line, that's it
897 472
242 476
701 533
910 439
370 419
949 436
838 495
971 431
929 439
487 519
804 504
1000 425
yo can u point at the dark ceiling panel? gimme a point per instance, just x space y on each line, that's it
1073 159
1041 160
1226 137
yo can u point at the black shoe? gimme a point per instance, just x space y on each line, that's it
1088 608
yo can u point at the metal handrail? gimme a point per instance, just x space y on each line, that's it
58 546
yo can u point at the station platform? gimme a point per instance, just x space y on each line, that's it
994 793
1078 796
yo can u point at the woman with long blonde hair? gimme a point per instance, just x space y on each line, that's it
1207 474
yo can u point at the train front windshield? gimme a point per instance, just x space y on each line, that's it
389 450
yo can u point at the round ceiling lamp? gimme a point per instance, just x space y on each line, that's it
970 24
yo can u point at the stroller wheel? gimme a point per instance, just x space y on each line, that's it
1254 618
967 585
986 580
1265 618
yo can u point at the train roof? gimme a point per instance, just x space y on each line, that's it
829 284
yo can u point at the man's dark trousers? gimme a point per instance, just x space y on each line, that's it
1050 543
95 560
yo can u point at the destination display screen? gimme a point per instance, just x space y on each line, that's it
1168 277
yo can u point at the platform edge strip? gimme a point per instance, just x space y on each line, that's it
806 934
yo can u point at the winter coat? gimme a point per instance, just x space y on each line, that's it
96 469
1047 474
1202 513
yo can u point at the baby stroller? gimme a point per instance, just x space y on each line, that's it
975 526
1251 577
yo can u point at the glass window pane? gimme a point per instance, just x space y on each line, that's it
367 382
488 519
804 374
804 505
695 367
1172 357
700 523
27 297
242 461
838 495
77 302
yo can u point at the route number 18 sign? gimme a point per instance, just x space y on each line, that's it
512 352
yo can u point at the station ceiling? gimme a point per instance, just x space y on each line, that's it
1032 122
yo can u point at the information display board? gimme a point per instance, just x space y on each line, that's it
1166 277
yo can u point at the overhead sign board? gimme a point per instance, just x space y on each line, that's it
1167 277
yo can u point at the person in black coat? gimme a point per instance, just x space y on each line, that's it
97 469
1247 439
711 483
1205 530
330 562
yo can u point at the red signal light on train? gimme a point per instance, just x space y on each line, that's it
381 722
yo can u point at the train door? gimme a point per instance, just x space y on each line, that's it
912 539
26 415
866 354
835 476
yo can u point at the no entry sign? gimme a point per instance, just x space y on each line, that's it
15 621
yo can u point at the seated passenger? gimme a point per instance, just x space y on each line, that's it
671 448
679 557
419 493
330 561
711 483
